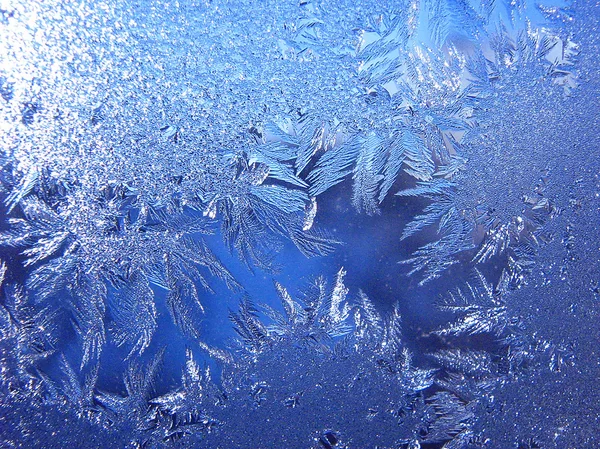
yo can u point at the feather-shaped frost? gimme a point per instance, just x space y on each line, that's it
334 165
134 314
452 19
369 323
480 307
366 175
287 200
453 418
279 153
26 185
507 203
375 164
180 413
248 326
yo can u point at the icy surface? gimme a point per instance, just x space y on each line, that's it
181 183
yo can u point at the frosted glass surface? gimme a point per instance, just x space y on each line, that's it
299 224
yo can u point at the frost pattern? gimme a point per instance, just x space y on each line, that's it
303 360
506 215
135 252
307 356
128 137
108 203
481 309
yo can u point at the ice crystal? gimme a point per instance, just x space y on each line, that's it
294 369
509 208
130 132
302 361
482 307
26 340
83 247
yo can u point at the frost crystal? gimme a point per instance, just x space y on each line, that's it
490 195
161 161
